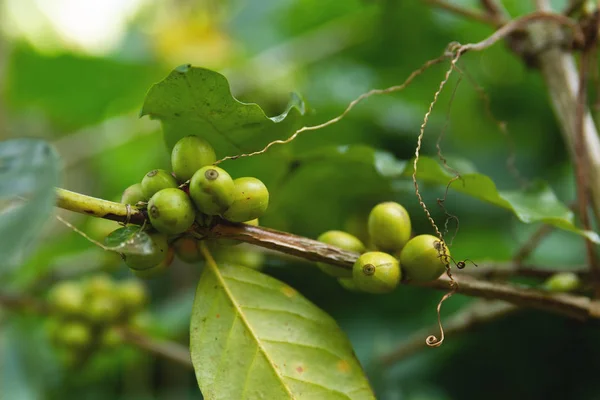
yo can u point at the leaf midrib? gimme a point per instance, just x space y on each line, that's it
215 269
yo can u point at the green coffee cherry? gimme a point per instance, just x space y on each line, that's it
73 334
348 284
212 190
111 338
140 262
244 255
100 285
251 200
563 282
132 295
422 258
376 272
344 241
157 180
103 310
189 155
171 211
187 249
67 298
389 227
157 270
133 194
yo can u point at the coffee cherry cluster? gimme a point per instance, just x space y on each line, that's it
394 254
195 192
85 315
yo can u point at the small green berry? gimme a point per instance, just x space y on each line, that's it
160 248
389 226
251 200
67 298
212 190
103 310
171 211
99 285
73 335
187 249
376 272
132 295
157 270
244 255
189 155
111 338
157 180
563 282
133 194
348 284
422 258
344 241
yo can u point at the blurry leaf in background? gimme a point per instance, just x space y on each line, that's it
538 203
284 346
29 172
198 101
74 90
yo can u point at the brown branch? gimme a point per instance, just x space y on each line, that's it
574 306
531 244
567 88
163 348
494 270
468 319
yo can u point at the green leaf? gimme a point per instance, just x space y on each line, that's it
74 90
29 171
129 240
198 101
537 204
254 337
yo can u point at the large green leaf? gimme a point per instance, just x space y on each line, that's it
29 171
254 337
198 101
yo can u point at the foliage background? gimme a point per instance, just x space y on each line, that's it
75 73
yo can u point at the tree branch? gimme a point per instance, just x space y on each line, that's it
467 319
163 348
567 94
579 307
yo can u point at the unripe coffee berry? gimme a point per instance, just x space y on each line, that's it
157 270
422 258
140 262
376 272
189 155
157 180
389 226
171 211
132 295
67 298
212 190
563 282
73 334
187 249
103 310
344 241
133 194
348 284
251 200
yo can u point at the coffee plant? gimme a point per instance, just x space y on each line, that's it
265 219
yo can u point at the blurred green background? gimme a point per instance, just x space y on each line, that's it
76 72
